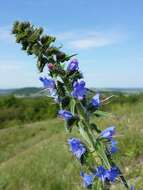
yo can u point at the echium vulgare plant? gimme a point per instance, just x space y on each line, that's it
66 86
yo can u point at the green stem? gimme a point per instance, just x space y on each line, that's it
85 131
102 155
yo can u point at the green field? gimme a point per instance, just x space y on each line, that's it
35 155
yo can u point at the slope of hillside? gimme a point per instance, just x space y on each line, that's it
36 156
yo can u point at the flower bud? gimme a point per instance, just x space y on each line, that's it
50 66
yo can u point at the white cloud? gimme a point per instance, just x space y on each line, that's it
90 39
66 35
91 42
14 73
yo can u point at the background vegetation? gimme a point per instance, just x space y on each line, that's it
34 154
25 110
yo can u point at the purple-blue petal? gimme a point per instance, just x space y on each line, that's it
113 148
65 114
77 148
48 83
102 173
95 101
108 133
79 90
73 65
87 179
132 188
113 174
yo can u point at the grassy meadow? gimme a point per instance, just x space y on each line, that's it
34 154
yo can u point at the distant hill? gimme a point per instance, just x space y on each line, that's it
121 90
27 91
34 91
6 91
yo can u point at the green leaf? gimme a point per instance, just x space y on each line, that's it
94 127
85 135
97 185
99 113
72 105
61 89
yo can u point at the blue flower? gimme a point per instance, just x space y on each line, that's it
132 188
102 173
87 179
73 65
113 174
95 101
65 114
108 133
48 83
77 148
112 146
79 90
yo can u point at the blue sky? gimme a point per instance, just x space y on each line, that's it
106 34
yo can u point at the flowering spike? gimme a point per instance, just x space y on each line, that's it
67 91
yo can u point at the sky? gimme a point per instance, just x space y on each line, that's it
106 35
